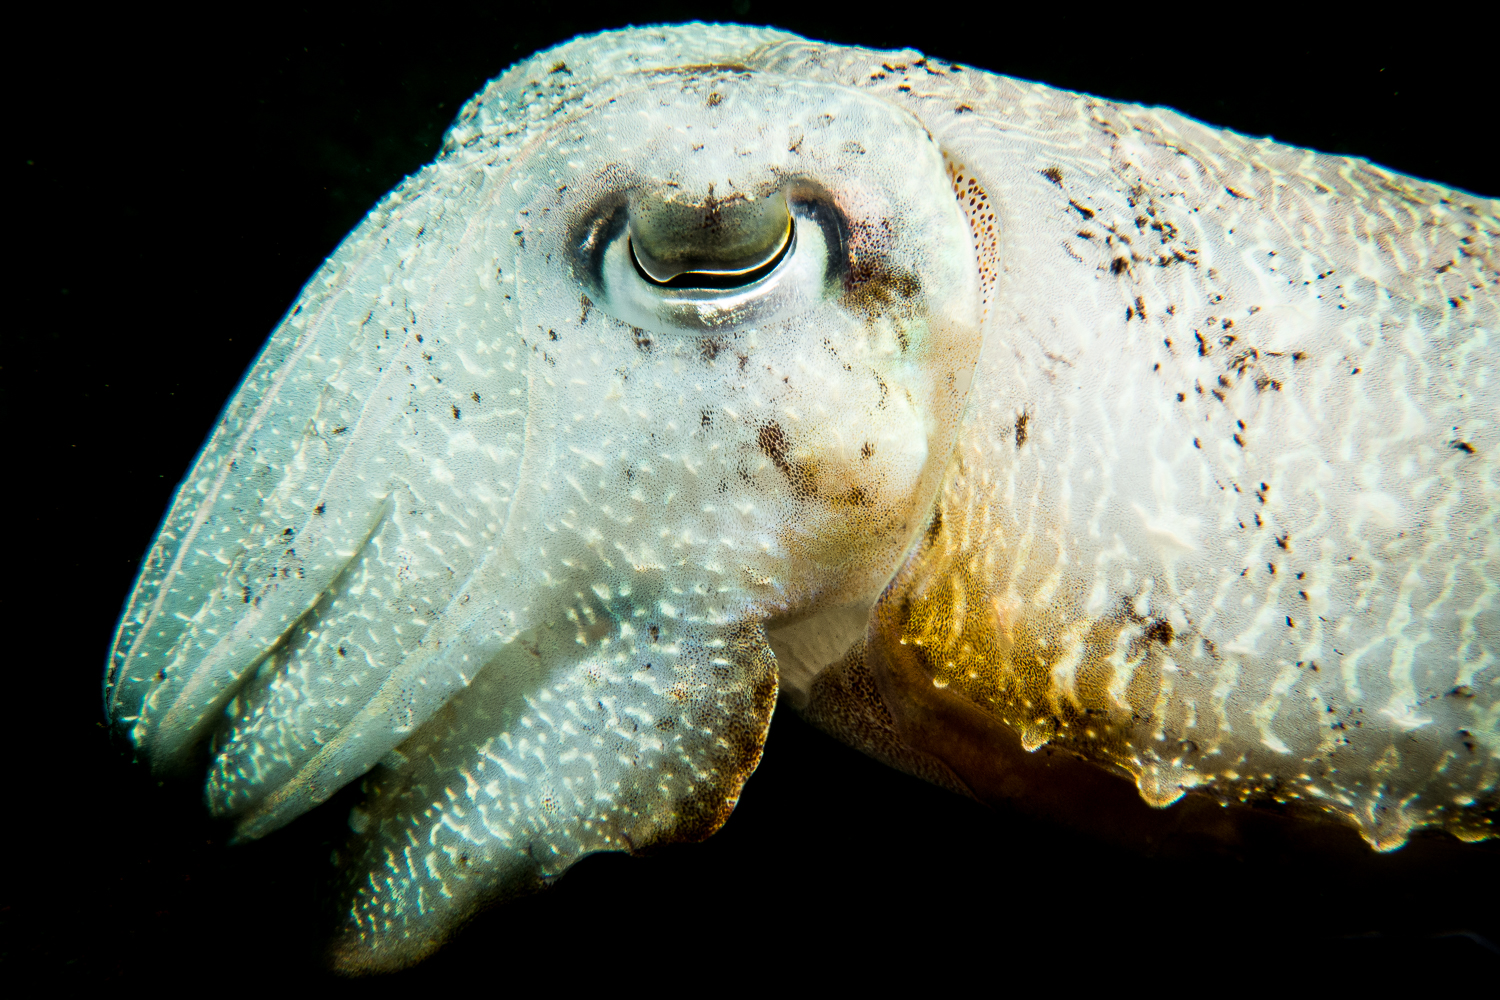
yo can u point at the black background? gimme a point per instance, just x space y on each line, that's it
179 177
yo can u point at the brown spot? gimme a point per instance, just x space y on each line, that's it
1160 630
773 441
934 528
871 284
1021 422
867 450
1054 175
856 497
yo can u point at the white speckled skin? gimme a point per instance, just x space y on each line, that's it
501 521
1259 398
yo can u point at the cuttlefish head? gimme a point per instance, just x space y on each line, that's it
792 308
499 517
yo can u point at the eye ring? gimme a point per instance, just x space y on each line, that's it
718 279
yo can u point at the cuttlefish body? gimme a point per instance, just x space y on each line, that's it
1038 445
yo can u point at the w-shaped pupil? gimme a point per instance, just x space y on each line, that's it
719 244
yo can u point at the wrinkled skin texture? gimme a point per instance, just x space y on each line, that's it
1054 421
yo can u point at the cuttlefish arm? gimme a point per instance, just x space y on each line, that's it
503 790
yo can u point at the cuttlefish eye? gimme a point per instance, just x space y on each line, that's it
675 258
718 243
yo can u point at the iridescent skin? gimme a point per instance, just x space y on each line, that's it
1127 437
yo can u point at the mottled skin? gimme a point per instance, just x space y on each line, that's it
1237 406
1069 424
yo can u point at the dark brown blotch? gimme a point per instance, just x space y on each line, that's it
772 440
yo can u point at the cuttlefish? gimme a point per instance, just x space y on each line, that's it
1061 452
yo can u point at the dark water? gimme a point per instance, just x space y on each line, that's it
178 180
